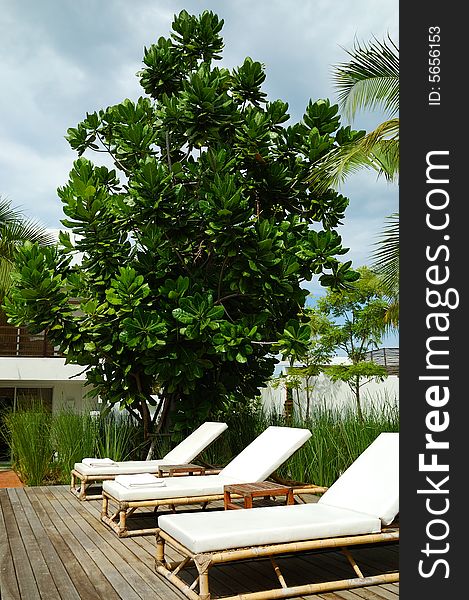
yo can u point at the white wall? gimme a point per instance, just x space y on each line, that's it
332 394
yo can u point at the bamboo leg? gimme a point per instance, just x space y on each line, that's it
278 572
82 490
203 562
351 560
159 554
122 521
105 507
204 593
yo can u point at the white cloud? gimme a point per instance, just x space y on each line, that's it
61 60
30 180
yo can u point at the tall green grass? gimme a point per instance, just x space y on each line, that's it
28 435
117 437
245 422
73 438
338 437
45 446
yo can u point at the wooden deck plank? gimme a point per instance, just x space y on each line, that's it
9 589
88 578
62 580
335 564
44 580
100 551
24 573
140 571
66 565
126 556
49 539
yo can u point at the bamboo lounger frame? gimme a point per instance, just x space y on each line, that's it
183 454
117 520
203 562
88 480
85 482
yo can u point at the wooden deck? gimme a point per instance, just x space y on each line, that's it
54 547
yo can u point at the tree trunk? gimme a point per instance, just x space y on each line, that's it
146 419
357 398
308 398
288 406
164 423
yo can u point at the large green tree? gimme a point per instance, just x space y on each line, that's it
195 250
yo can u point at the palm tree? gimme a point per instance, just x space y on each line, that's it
14 230
370 80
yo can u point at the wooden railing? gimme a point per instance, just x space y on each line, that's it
388 357
17 341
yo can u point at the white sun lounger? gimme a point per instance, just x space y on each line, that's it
106 469
359 508
255 463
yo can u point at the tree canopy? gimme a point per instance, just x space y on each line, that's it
194 251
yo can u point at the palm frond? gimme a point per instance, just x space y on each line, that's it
386 256
6 270
15 229
7 213
370 79
391 316
378 149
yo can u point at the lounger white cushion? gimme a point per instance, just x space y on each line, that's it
98 462
127 467
206 532
139 479
256 462
184 452
266 453
175 487
371 483
359 502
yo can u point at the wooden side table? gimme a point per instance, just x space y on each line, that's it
259 489
185 469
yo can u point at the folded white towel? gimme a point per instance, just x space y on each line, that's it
98 462
139 479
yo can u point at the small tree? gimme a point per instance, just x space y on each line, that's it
193 257
303 344
357 325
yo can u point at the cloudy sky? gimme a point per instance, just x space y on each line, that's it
62 58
